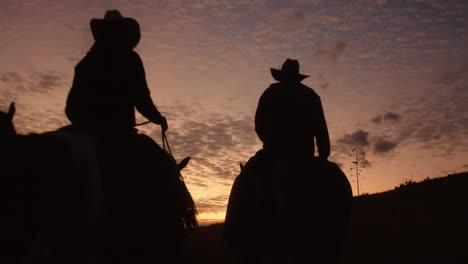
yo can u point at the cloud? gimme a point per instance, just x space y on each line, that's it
214 135
11 77
437 119
11 86
212 204
217 143
356 139
343 147
453 76
383 146
48 81
38 119
312 2
377 119
366 163
299 15
332 53
324 83
390 117
32 82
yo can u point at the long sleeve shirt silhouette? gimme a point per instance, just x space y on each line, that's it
107 87
289 117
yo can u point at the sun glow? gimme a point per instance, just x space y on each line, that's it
207 218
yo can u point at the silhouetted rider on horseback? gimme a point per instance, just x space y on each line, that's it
139 177
289 119
290 115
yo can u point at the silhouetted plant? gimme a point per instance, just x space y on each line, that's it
407 182
358 164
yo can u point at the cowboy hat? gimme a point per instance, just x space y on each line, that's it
289 71
116 29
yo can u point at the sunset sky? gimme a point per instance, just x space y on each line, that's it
392 75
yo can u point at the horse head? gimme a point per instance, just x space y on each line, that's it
7 130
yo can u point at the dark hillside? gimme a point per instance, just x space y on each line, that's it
423 222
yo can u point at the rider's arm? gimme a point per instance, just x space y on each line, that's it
323 140
77 107
263 117
143 102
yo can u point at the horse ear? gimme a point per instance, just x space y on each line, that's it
183 163
11 111
241 166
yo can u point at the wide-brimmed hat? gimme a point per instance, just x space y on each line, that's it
116 29
289 71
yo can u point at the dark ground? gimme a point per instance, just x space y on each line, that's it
424 222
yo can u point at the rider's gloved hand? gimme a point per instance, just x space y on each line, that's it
163 123
161 120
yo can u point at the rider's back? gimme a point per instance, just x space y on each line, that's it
289 117
107 87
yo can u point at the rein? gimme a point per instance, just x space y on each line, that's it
163 137
143 123
166 143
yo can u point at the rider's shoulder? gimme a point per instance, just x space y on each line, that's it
270 90
276 85
273 88
134 55
309 91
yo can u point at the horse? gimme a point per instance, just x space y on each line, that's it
41 194
293 208
82 205
159 210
